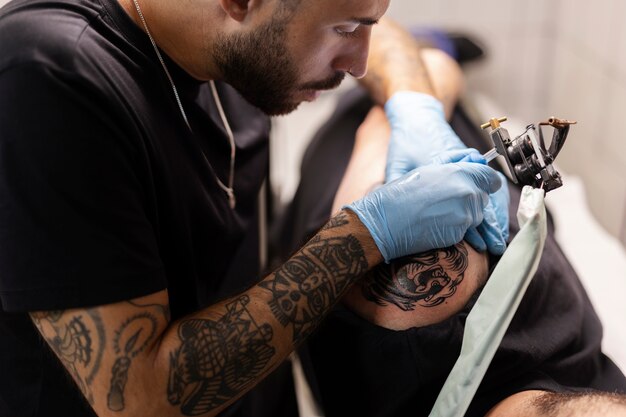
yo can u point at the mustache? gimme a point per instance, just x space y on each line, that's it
327 84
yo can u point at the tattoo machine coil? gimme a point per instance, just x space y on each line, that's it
527 157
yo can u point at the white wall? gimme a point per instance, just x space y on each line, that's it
553 57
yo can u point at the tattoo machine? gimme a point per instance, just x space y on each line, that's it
527 157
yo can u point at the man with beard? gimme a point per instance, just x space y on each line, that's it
129 171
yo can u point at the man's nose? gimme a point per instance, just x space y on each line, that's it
354 59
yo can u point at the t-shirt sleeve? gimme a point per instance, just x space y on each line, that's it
76 229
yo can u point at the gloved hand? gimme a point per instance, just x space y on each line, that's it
419 132
430 207
493 232
420 135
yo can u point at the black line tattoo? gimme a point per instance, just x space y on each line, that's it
218 359
164 309
305 287
339 220
426 279
133 336
97 321
78 342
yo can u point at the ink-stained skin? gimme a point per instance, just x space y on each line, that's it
218 358
132 338
197 365
320 273
426 279
78 342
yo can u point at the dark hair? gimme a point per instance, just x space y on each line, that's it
560 403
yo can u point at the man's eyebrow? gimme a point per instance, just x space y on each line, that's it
364 20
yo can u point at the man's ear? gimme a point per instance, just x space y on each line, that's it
238 9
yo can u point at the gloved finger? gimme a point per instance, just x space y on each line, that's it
475 157
501 200
484 177
475 240
397 169
491 232
459 155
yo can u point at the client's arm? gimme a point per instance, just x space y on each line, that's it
397 62
417 290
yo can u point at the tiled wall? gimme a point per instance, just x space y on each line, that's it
553 57
590 85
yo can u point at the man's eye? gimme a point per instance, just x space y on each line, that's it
347 31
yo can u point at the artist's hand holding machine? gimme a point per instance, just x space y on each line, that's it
430 207
419 135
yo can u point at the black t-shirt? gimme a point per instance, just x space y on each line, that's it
105 194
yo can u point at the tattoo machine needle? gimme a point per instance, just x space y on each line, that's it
491 155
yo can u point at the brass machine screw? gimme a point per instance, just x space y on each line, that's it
557 123
494 123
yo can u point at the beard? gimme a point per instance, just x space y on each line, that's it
259 67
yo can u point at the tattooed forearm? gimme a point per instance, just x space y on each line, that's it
307 285
133 336
339 220
218 359
223 352
395 63
425 280
78 341
163 309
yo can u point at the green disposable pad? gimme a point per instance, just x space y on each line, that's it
494 309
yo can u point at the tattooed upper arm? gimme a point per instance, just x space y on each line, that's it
78 341
421 289
99 346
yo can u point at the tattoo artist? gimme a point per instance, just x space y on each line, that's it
133 144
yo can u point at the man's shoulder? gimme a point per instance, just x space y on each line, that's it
43 32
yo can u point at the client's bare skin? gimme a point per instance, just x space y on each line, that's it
429 287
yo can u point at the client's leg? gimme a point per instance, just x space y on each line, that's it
425 289
418 290
553 404
359 368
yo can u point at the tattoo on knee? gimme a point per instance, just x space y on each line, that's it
426 279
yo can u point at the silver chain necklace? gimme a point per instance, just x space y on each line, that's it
230 192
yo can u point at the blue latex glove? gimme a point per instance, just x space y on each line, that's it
419 132
419 135
430 207
493 233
